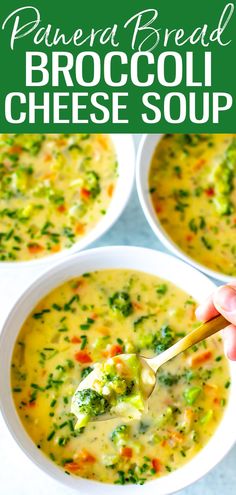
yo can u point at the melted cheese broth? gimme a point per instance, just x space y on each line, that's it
193 190
54 188
75 326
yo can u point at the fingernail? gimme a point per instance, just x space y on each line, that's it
229 335
225 298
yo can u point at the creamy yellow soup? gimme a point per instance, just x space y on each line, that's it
101 315
54 188
193 189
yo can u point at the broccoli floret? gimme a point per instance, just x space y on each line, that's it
140 320
192 394
162 289
93 183
129 387
120 385
231 153
119 434
120 302
91 402
163 340
223 179
223 205
146 339
192 139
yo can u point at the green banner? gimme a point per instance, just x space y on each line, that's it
144 66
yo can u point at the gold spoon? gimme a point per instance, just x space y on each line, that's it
150 366
197 335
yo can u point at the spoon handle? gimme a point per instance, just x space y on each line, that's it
197 335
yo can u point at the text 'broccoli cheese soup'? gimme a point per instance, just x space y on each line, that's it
54 188
193 189
99 316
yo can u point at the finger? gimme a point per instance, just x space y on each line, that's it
224 300
206 310
229 335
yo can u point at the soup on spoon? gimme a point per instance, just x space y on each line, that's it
120 386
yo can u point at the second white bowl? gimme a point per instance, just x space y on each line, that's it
125 153
146 260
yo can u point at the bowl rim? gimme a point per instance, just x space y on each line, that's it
105 258
124 187
152 217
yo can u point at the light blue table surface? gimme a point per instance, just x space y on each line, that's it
133 229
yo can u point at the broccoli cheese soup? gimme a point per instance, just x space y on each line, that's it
193 190
54 188
99 316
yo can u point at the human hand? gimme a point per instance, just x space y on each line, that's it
223 301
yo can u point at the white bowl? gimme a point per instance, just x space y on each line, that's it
145 153
125 152
146 260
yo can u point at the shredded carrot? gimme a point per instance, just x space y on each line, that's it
210 192
84 193
61 142
121 367
176 436
137 305
200 164
189 238
78 285
210 387
104 331
83 357
35 248
86 456
79 228
126 452
61 208
200 358
48 175
56 248
15 149
188 415
71 466
158 208
48 157
113 350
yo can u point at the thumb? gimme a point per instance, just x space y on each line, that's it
225 302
